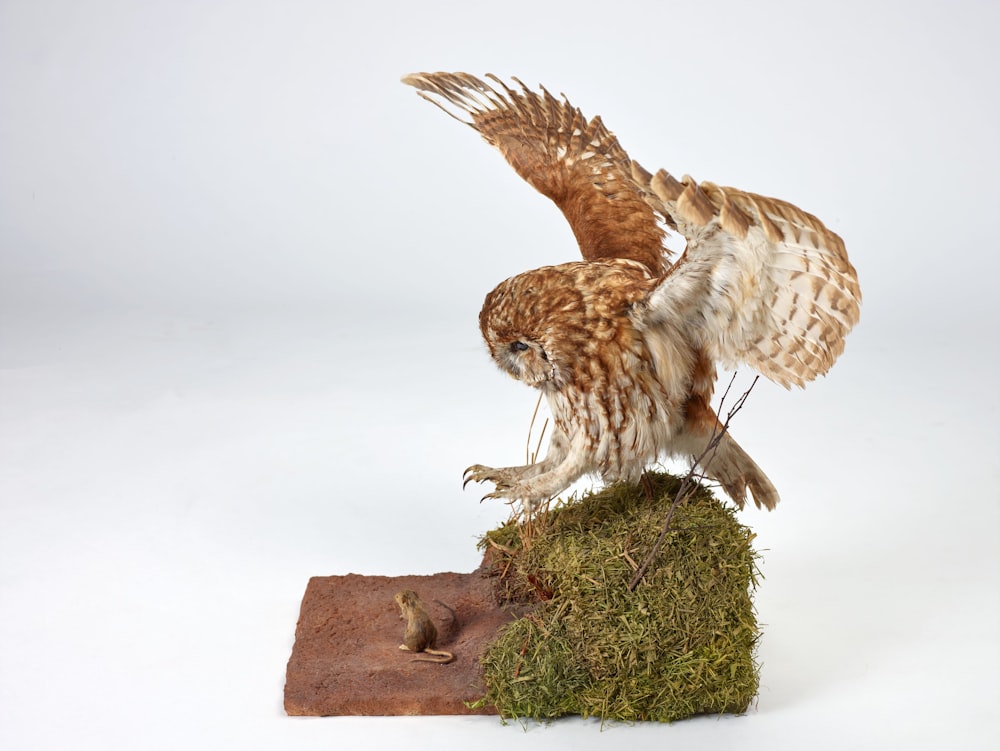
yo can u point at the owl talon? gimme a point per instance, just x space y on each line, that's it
471 474
480 473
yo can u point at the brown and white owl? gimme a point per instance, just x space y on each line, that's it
624 343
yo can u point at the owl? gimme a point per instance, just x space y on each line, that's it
624 343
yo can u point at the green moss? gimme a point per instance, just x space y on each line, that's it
682 643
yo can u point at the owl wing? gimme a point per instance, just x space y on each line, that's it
578 163
759 282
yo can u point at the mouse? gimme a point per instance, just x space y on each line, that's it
421 633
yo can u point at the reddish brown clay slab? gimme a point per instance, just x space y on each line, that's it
346 659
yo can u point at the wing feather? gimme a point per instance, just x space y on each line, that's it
577 163
760 282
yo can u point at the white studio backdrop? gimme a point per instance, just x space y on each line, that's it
240 269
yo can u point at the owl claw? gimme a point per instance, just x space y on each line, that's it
500 493
502 478
474 473
510 483
480 473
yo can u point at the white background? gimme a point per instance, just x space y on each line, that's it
240 268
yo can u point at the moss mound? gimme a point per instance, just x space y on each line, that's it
682 643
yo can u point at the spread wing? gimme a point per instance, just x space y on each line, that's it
578 163
760 282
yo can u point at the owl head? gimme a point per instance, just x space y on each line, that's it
522 321
543 325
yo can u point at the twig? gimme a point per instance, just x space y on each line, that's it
530 458
690 480
540 514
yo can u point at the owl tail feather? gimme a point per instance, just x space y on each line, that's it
733 468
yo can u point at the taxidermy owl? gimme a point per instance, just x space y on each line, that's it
624 343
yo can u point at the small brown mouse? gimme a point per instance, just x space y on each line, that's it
421 633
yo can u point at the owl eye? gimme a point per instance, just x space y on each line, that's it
518 346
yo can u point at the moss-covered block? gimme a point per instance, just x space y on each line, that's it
681 643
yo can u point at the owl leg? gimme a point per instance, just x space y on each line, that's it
510 476
727 463
532 483
500 476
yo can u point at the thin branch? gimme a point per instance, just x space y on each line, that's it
690 481
528 458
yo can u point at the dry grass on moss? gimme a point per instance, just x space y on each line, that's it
682 643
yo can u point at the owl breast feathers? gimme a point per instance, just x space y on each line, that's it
624 343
